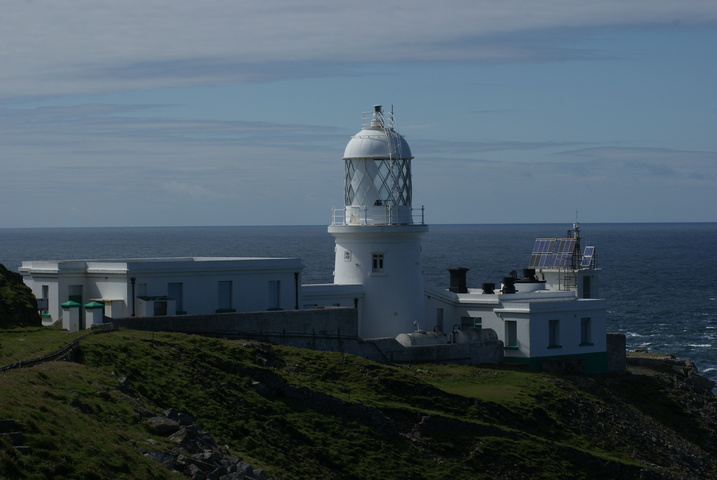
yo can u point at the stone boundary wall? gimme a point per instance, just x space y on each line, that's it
616 348
333 329
317 329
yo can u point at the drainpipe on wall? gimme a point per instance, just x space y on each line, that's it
132 281
296 290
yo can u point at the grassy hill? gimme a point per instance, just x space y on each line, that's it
18 306
298 414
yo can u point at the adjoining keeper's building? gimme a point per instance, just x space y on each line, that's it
147 287
547 315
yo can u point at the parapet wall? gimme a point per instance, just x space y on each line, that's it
333 329
616 348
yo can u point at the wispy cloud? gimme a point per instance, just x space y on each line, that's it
92 46
651 162
428 147
258 139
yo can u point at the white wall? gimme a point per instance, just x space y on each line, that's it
533 326
394 297
111 280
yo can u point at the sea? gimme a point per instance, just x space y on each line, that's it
659 279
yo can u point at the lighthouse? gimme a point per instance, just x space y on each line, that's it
378 232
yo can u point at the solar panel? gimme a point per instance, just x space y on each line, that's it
543 245
552 253
588 255
566 245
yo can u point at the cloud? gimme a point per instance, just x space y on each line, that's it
91 46
117 165
651 162
88 147
428 147
639 153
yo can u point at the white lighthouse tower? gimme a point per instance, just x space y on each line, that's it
378 233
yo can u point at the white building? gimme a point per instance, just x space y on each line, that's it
545 315
164 286
549 314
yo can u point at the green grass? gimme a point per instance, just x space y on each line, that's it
302 414
76 424
27 343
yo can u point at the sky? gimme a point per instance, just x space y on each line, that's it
221 112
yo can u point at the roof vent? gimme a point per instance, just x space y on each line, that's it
377 119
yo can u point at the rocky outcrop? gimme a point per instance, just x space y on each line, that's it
682 373
196 455
18 306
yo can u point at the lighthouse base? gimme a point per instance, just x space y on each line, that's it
386 261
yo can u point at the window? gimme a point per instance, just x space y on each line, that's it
439 319
224 300
377 263
554 334
44 302
511 334
274 296
471 322
585 331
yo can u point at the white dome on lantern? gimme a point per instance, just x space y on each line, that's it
377 143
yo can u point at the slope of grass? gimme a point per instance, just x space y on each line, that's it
300 414
29 343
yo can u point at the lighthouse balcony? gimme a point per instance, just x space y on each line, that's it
377 215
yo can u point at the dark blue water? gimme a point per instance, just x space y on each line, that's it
659 279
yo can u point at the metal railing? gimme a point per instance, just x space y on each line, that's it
338 217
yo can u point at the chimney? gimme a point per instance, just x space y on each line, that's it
458 280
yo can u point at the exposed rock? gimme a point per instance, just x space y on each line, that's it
8 425
24 449
163 425
181 418
14 437
197 456
18 306
683 371
11 430
167 459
